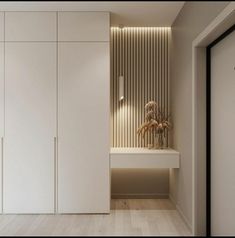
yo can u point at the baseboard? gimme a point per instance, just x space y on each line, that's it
139 195
181 213
172 200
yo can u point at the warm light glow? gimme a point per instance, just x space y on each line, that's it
140 28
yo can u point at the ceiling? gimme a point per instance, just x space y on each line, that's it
139 13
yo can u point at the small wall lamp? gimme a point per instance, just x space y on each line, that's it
121 88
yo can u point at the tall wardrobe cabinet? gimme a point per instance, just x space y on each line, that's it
30 112
1 100
83 113
54 112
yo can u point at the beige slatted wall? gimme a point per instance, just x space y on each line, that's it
141 55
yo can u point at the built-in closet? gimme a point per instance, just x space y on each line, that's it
83 112
1 96
54 112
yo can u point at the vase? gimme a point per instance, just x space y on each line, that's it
160 141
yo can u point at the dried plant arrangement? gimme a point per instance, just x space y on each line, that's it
156 123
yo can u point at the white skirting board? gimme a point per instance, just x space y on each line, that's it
189 225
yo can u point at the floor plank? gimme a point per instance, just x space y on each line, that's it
129 217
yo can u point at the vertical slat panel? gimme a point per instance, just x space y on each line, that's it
141 55
148 73
121 104
126 76
114 60
163 73
165 81
142 81
135 90
140 89
152 70
138 81
145 75
129 90
131 87
119 114
111 90
168 80
158 68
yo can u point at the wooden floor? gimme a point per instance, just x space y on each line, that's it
128 217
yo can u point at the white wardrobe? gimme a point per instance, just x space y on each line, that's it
54 82
83 113
1 99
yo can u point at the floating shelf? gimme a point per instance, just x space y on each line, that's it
144 158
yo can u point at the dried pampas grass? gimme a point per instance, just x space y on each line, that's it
155 122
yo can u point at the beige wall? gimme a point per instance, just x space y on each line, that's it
192 19
140 183
141 55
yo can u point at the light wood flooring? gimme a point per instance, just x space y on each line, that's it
130 217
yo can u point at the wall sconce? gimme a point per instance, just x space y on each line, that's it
121 88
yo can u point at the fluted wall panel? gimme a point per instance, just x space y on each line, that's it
141 55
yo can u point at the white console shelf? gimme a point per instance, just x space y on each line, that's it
144 158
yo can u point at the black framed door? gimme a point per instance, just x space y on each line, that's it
209 163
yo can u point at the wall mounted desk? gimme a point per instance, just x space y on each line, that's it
144 158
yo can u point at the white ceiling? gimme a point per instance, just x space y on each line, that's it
139 13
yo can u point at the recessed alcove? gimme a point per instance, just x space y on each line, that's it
140 56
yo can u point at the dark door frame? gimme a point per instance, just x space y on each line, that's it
208 126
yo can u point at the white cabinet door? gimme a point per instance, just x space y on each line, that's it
83 26
83 140
1 26
30 116
222 137
30 26
1 114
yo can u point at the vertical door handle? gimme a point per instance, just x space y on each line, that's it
55 141
55 174
2 147
2 170
2 142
